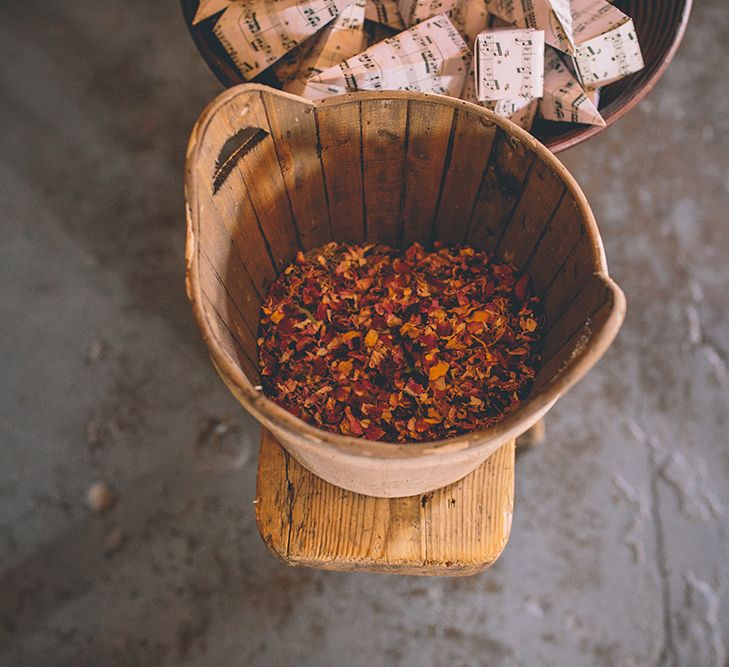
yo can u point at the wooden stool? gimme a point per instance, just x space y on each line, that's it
458 530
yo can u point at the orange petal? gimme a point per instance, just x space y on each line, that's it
437 371
371 338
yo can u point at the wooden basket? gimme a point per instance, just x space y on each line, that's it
269 174
660 25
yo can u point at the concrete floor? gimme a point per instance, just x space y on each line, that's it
619 552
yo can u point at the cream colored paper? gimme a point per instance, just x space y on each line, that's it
521 110
208 8
415 11
470 18
564 98
257 33
593 94
509 63
430 57
552 16
607 45
342 38
385 12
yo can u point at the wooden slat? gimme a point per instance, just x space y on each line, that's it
236 241
499 192
384 142
231 311
428 137
577 269
341 158
293 128
265 184
577 345
235 281
273 468
542 193
587 301
226 331
473 137
458 530
230 207
563 231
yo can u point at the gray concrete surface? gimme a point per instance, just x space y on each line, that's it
619 553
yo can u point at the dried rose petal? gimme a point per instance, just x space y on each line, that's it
437 371
397 345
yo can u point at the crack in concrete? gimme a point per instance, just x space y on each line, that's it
689 479
699 623
639 503
667 657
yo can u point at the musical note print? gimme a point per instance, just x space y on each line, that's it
509 63
258 33
429 57
564 98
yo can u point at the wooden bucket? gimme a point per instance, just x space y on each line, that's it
269 174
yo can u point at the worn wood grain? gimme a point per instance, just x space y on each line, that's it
292 127
426 153
472 139
340 142
572 275
563 231
500 189
576 347
384 141
542 193
268 196
458 530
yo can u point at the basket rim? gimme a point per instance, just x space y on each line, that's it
277 418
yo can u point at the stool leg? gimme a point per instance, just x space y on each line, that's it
534 436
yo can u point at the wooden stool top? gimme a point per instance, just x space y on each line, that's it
458 530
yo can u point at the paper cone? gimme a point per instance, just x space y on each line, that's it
430 57
564 98
607 45
552 16
257 33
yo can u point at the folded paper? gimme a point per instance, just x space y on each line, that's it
415 11
470 18
257 33
521 110
384 12
430 57
342 38
593 94
564 98
552 16
607 46
208 8
509 63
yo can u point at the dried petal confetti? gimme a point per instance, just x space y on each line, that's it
399 345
